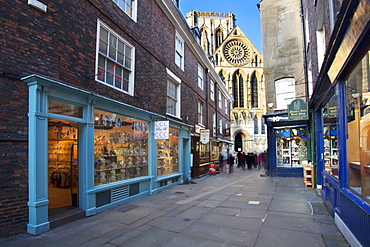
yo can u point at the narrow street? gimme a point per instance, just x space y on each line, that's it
238 209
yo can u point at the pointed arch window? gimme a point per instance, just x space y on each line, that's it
254 91
219 38
255 125
238 89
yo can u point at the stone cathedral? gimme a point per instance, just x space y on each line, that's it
240 65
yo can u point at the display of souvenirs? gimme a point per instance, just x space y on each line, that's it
167 155
62 164
291 147
121 153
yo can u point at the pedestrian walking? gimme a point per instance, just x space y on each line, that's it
249 160
259 160
231 163
239 161
243 158
221 162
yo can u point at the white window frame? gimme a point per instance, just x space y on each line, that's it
172 78
200 112
214 125
200 77
127 64
225 101
220 100
179 51
285 92
221 127
212 90
122 4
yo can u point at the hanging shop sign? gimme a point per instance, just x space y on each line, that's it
161 129
297 110
204 136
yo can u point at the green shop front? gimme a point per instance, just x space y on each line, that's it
91 153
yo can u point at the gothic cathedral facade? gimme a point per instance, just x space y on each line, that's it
240 65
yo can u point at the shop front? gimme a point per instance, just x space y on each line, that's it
287 145
342 121
91 153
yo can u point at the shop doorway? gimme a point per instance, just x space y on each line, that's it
62 166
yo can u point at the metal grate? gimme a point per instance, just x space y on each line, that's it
120 193
125 207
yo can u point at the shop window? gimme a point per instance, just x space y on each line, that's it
128 6
168 154
358 124
115 60
331 138
120 148
291 147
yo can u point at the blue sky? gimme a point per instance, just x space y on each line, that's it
245 11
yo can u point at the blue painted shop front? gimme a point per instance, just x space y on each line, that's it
287 145
341 105
93 153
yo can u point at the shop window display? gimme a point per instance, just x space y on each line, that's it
291 147
358 124
331 138
168 154
120 148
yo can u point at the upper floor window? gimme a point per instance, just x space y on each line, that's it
114 60
220 100
128 6
214 127
179 46
200 76
173 94
212 90
226 102
221 127
285 92
200 112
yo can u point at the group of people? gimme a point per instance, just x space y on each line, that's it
242 159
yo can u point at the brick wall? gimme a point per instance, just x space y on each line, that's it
61 44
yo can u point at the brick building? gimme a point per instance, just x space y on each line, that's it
100 102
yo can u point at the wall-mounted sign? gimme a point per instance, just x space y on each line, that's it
38 5
161 129
204 136
227 132
297 110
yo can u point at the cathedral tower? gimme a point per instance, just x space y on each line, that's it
240 65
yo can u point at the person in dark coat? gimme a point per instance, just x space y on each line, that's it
221 162
249 160
239 155
243 159
231 163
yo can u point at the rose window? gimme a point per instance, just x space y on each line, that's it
237 53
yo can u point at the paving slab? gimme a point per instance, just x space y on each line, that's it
276 237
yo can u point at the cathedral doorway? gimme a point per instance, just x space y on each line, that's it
238 144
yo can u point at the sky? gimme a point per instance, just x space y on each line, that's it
245 11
